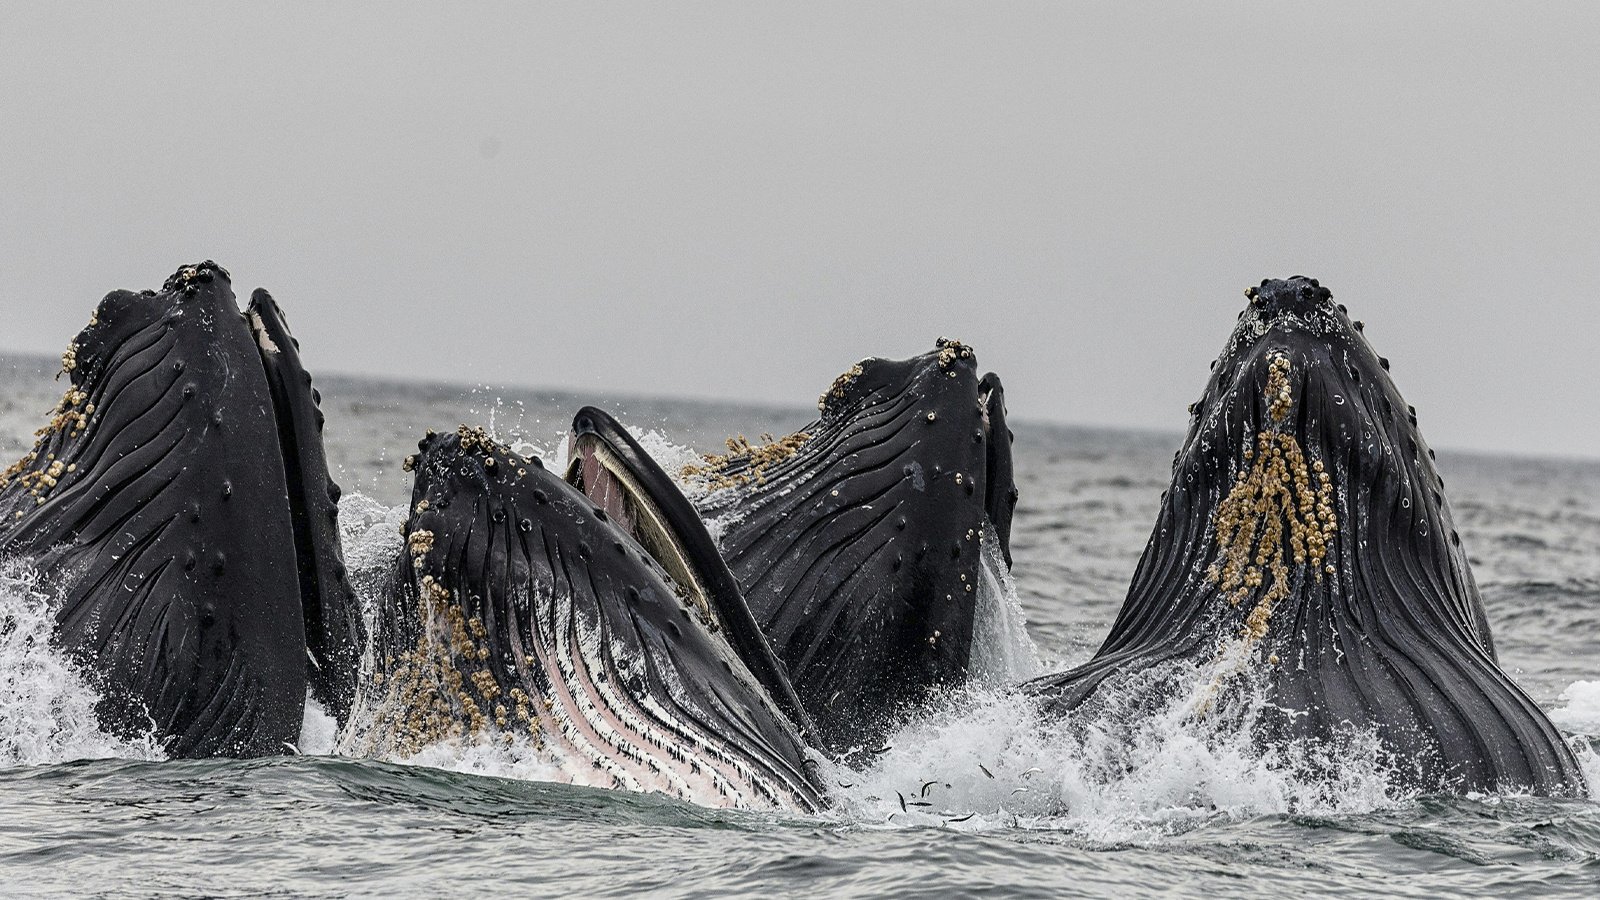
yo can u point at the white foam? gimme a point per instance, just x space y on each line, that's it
46 704
1002 652
1581 715
995 761
492 754
370 534
1580 718
319 730
1588 763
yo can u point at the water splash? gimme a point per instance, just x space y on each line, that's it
370 532
1002 652
672 456
46 704
988 758
319 730
1580 719
1581 715
491 754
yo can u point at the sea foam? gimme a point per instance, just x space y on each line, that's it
46 703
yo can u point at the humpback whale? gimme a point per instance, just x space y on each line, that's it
856 541
179 497
521 609
1305 550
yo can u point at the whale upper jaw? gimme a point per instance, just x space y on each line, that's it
180 500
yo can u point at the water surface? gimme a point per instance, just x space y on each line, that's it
1013 806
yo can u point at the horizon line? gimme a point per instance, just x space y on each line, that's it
45 359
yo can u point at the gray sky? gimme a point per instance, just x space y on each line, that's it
740 199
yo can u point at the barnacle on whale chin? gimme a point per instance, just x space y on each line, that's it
427 699
1279 512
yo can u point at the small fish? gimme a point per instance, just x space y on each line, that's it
962 819
1032 772
845 785
926 786
1019 791
985 770
919 803
902 800
884 749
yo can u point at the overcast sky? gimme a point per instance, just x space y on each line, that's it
740 199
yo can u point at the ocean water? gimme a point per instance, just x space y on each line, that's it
972 797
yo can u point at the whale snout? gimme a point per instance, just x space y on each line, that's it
1299 296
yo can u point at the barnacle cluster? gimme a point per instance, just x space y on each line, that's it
951 350
37 482
421 544
474 438
441 687
839 386
69 418
751 461
1278 513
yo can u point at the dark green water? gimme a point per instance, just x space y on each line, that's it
1014 807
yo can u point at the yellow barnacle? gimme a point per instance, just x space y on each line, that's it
754 459
840 385
1273 513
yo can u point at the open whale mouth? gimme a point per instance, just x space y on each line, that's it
608 466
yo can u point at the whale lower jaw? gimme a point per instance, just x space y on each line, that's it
598 733
573 704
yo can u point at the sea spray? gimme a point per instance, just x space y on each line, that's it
1581 715
987 757
319 730
1580 718
46 703
1002 652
